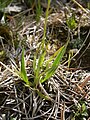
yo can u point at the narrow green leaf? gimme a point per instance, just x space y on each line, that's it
23 70
83 107
59 57
39 66
38 11
53 56
41 59
55 64
69 57
45 25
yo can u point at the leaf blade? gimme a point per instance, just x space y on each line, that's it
23 70
55 64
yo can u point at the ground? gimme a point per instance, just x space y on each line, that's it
66 94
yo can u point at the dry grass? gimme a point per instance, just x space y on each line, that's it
67 88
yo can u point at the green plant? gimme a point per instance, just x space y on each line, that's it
71 22
80 112
35 4
30 3
22 72
43 68
38 11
